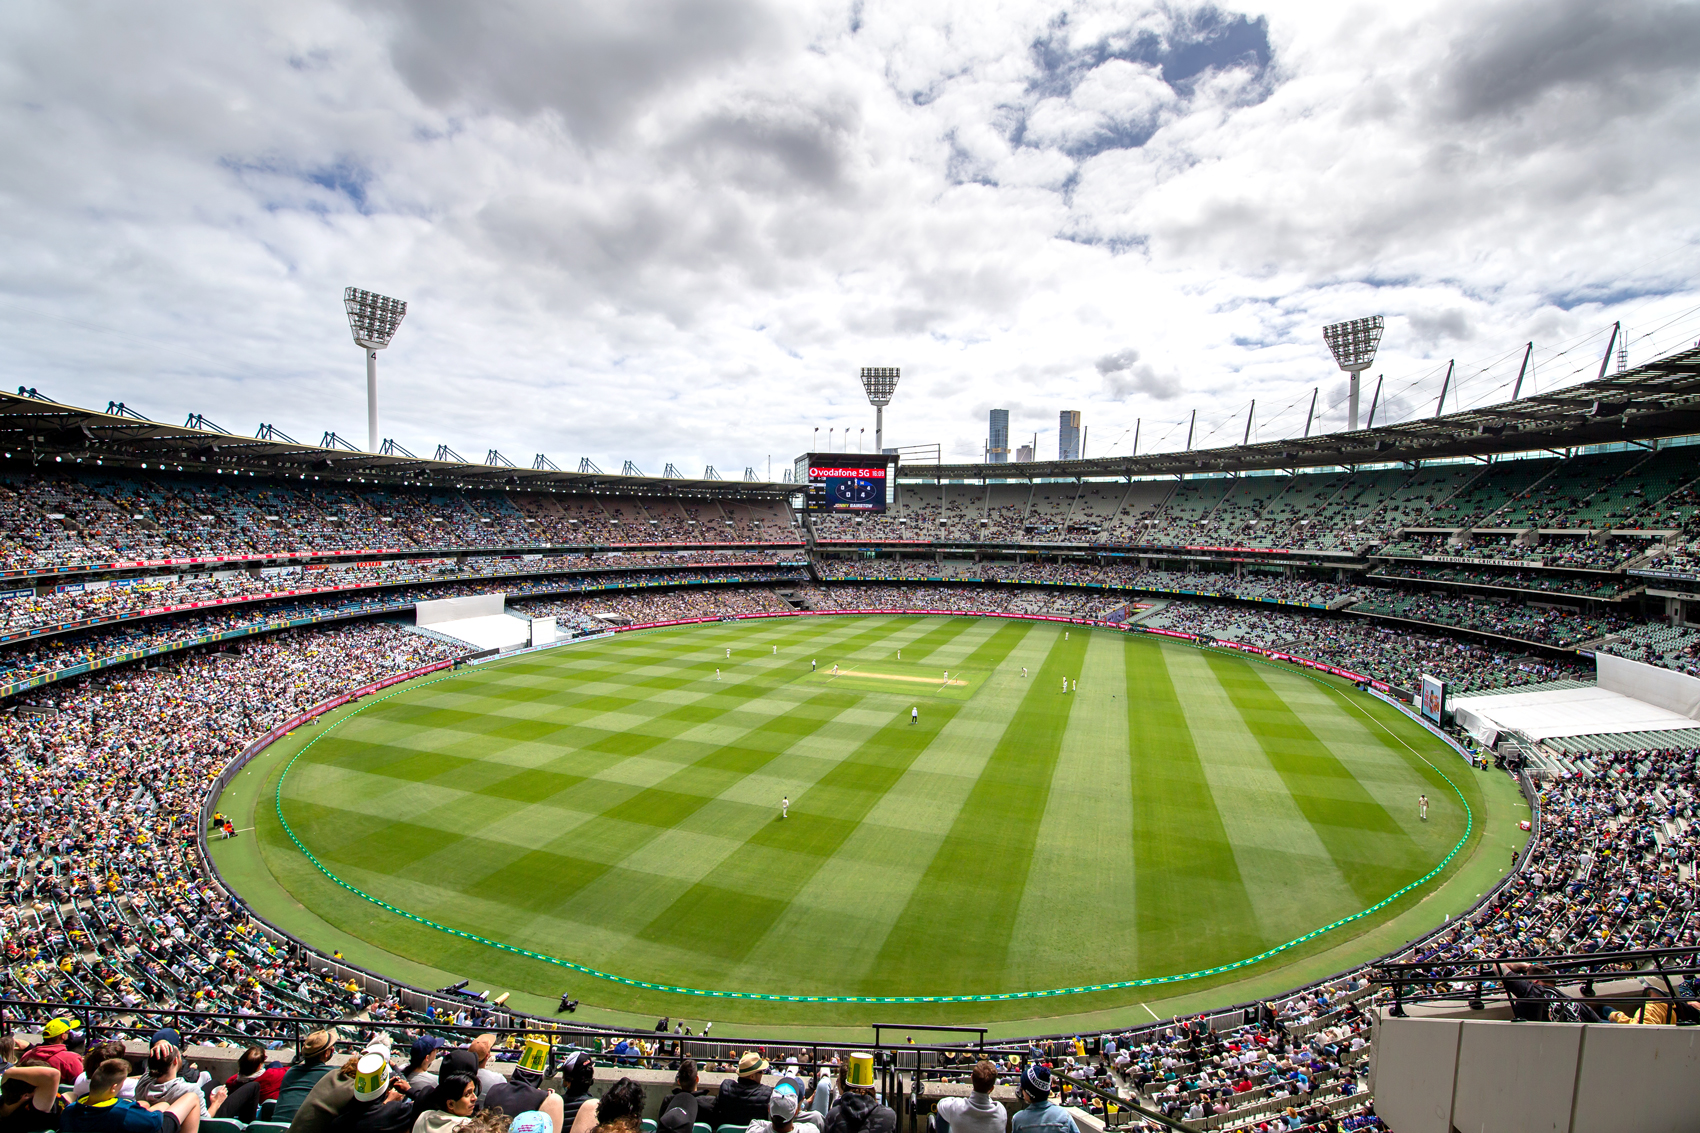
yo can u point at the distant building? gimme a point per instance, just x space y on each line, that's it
997 448
1024 454
1068 435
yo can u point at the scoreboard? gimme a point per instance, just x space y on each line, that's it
845 482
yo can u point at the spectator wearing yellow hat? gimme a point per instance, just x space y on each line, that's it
859 1110
60 1047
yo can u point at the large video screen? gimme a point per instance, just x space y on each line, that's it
1434 697
846 482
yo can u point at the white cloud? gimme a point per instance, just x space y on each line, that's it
673 231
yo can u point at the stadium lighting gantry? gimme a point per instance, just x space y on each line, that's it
1353 343
373 318
881 383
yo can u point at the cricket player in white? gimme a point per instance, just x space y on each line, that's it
915 714
1422 807
785 807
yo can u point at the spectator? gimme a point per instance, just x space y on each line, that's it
448 1105
312 1062
743 1099
333 1093
857 1109
785 1112
422 1058
487 1078
103 1111
93 1057
162 1081
1038 1113
247 1087
578 1074
620 1110
687 1097
60 1047
977 1113
29 1099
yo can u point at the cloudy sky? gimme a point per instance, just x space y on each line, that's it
663 230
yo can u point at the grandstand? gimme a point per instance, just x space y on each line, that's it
178 600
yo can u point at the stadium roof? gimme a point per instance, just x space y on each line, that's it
35 428
1659 399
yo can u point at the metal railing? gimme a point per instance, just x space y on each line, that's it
1476 981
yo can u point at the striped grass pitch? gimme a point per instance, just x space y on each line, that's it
618 804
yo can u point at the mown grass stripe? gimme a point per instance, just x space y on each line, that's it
1357 831
979 874
1191 897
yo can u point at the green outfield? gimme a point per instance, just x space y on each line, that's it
616 804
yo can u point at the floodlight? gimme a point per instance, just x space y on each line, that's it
1353 344
373 318
881 383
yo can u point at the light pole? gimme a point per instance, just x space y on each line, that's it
1353 344
881 383
373 319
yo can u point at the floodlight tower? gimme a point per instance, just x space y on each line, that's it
1353 343
881 383
373 319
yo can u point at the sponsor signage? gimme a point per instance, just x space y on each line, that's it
1466 560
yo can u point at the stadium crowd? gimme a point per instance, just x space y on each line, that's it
1394 655
104 897
136 516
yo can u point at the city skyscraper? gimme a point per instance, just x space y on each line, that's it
1024 454
997 447
1068 435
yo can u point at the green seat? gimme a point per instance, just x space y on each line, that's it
732 1129
264 1126
222 1125
267 1108
648 1125
701 1127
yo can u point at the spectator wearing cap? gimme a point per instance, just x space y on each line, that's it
422 1058
60 1048
743 1099
1038 1113
29 1099
578 1074
537 1121
103 1111
785 1112
858 1110
976 1113
312 1062
481 1047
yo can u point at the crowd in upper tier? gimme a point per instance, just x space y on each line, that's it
96 516
1592 512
